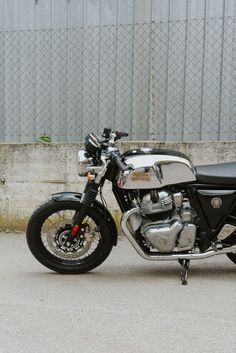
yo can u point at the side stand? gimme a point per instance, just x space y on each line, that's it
184 273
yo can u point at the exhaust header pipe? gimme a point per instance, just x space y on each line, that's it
161 257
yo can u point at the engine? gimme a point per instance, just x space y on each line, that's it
166 222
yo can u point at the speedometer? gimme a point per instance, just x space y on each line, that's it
92 143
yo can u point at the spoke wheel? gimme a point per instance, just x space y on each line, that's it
48 232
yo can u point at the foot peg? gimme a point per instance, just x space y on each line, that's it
184 273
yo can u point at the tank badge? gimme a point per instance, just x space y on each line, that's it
216 202
140 176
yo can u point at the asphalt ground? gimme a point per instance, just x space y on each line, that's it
126 305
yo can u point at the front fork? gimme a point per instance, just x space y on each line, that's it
90 193
89 196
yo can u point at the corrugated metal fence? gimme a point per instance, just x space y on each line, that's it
162 70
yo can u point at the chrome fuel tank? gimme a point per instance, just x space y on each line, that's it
152 171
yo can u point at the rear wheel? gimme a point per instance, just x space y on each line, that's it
47 234
232 257
230 242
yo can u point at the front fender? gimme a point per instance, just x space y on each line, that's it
76 197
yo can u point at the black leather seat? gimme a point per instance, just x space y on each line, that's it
222 173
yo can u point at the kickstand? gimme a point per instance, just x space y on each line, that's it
184 273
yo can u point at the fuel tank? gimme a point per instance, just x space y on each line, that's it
152 169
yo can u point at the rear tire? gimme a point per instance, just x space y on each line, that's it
46 235
230 241
232 257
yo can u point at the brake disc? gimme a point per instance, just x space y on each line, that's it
57 241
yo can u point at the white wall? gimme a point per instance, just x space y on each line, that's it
32 172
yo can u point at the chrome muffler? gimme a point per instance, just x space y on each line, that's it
161 257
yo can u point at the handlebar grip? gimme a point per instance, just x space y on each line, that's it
123 134
120 134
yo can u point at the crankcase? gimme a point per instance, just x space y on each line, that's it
163 236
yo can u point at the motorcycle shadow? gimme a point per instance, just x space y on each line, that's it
166 271
147 273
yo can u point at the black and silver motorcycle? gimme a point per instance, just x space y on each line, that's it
171 210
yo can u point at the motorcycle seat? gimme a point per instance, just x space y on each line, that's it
221 173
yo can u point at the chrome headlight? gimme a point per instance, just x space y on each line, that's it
83 162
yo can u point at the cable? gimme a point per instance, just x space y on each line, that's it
104 203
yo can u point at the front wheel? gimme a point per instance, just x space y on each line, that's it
47 232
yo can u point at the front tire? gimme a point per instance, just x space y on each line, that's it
47 232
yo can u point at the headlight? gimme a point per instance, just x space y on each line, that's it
83 162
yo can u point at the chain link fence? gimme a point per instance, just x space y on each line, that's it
159 81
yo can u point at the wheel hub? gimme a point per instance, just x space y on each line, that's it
63 239
60 243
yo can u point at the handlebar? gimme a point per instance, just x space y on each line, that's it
115 158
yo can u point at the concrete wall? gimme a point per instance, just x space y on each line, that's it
34 171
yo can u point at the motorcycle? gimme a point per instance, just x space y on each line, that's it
171 210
